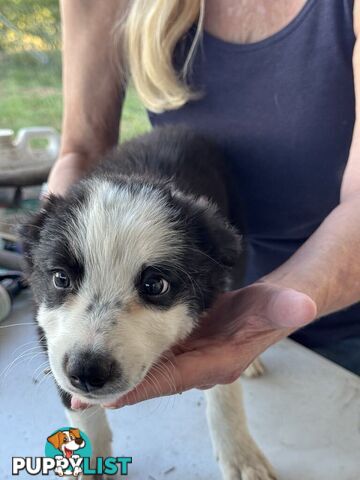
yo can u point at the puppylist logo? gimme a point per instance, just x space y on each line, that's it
68 452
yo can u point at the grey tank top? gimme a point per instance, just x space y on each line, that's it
283 110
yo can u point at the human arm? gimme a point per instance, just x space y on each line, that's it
92 85
327 266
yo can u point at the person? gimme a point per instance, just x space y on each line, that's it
275 84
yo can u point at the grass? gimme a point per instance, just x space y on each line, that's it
30 95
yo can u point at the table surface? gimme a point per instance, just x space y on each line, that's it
305 414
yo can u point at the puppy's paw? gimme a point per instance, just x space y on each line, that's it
249 473
255 369
260 472
245 465
102 450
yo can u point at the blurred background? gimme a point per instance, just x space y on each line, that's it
30 69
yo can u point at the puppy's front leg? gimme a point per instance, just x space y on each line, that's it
238 455
94 423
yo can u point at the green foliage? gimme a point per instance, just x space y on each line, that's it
134 119
30 91
30 69
31 95
29 25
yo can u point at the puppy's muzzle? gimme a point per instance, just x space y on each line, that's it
88 371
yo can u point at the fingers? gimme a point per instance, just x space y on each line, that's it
200 369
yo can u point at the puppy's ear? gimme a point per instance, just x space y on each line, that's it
209 230
55 439
216 237
28 231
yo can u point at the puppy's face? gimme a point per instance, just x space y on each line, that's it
120 272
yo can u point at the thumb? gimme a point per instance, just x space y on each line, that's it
289 308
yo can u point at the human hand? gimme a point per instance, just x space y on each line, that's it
68 169
240 326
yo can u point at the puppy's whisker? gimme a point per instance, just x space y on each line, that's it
29 360
15 363
18 325
40 377
169 371
46 376
195 287
165 373
16 224
32 342
25 353
155 383
143 384
41 367
200 252
160 397
150 382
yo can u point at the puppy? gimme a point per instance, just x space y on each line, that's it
122 268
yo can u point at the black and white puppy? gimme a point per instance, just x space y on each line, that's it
121 269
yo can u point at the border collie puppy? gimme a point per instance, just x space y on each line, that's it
121 269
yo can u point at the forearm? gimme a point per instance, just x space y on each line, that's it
327 266
93 89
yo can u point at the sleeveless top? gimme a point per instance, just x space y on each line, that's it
283 110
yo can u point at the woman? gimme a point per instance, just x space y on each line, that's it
275 83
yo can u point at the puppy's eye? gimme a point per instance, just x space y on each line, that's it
65 440
154 285
61 279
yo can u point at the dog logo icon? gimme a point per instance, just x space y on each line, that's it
67 442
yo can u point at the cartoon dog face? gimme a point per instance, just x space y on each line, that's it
67 441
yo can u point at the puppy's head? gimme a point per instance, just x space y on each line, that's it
120 271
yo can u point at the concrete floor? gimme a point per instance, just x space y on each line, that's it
305 414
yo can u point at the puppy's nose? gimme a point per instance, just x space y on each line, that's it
88 371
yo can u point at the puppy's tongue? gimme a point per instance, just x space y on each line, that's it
68 453
77 404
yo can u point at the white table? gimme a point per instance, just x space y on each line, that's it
305 413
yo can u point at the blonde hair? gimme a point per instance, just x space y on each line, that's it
150 32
